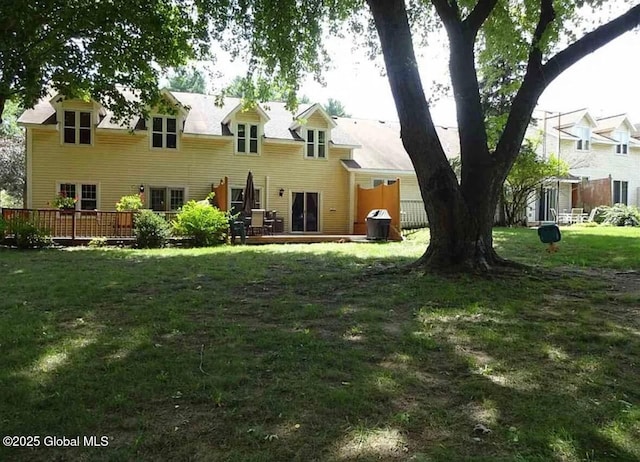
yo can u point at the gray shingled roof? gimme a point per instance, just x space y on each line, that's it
204 117
381 147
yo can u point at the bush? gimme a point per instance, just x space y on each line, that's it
204 224
3 228
97 242
127 203
622 215
27 235
151 230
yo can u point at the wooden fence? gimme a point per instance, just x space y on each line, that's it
78 224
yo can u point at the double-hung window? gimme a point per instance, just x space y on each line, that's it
237 199
164 133
87 199
584 141
620 192
623 142
247 138
166 199
77 127
316 144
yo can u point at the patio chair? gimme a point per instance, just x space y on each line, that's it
577 215
257 222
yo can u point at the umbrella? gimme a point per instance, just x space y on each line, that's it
249 196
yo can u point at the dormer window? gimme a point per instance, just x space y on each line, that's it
164 132
623 142
77 127
316 144
247 139
584 135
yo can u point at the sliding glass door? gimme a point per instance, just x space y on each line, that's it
304 212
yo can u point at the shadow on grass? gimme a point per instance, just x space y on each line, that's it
289 354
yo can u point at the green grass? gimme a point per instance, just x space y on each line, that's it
324 352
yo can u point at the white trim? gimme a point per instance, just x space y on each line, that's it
319 217
78 187
303 116
352 201
316 143
230 117
77 128
29 155
247 138
385 181
149 187
258 189
377 171
151 132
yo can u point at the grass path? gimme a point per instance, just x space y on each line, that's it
316 353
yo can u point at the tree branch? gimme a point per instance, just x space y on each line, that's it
528 94
479 15
449 13
590 43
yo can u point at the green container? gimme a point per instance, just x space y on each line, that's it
549 233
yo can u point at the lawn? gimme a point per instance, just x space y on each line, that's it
324 352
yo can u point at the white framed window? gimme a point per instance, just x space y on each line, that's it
316 144
237 198
621 192
77 127
85 194
247 138
166 199
622 147
584 135
385 181
164 132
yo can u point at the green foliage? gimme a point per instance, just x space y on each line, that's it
64 202
335 108
7 200
527 175
151 230
100 49
98 242
3 228
12 155
188 80
204 224
128 203
26 233
622 215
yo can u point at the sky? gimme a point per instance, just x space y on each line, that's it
607 82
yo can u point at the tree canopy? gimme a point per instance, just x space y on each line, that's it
335 108
188 80
97 48
12 162
502 53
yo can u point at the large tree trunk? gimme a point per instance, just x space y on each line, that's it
460 215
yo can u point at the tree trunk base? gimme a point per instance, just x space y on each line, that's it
472 258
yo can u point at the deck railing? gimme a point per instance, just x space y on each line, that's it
413 214
78 224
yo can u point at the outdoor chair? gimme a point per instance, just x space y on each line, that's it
577 215
257 222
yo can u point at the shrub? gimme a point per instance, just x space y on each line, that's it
27 235
3 228
151 230
98 242
127 203
204 224
622 215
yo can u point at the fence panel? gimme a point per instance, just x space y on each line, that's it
412 214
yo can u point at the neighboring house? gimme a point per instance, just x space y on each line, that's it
603 155
306 166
